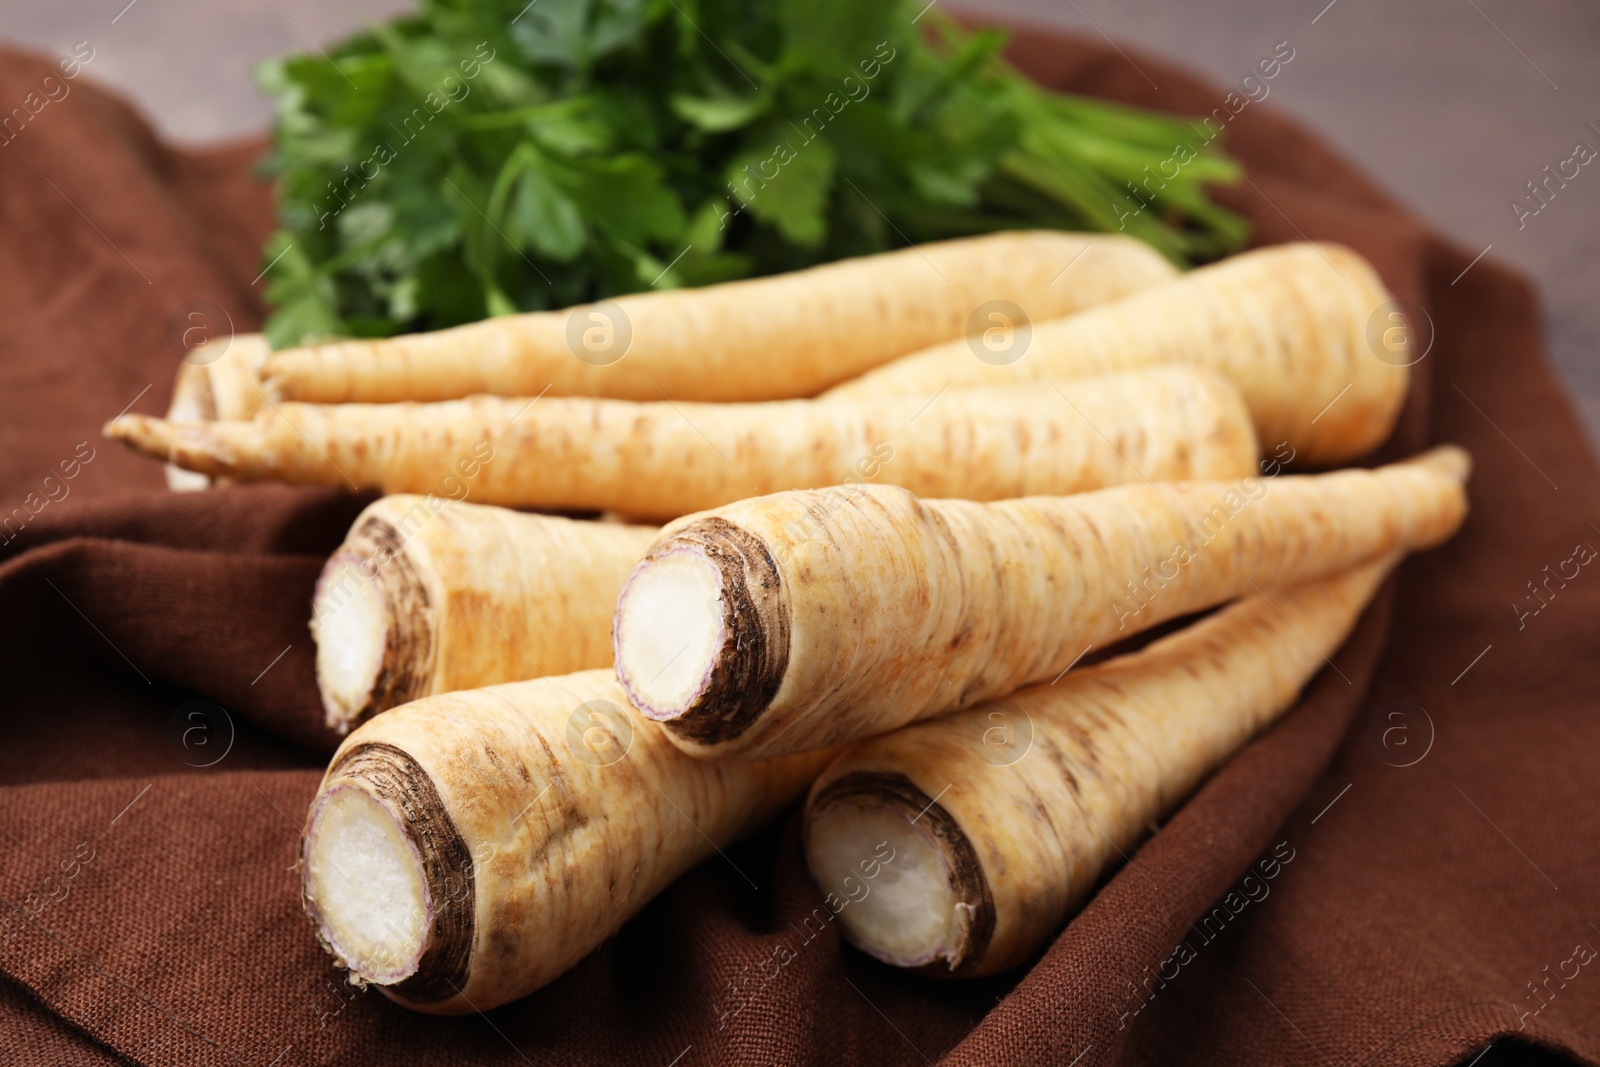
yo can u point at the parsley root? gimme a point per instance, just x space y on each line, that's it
1301 329
806 619
773 338
666 458
465 849
427 596
1004 816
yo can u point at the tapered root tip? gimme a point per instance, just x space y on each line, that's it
203 447
1449 461
142 433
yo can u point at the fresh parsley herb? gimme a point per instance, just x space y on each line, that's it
484 157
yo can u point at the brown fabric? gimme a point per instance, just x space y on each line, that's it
147 904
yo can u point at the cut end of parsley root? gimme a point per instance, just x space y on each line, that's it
670 632
911 914
365 885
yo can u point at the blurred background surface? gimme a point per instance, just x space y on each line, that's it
1453 105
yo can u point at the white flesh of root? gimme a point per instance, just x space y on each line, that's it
351 627
910 914
669 632
365 882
